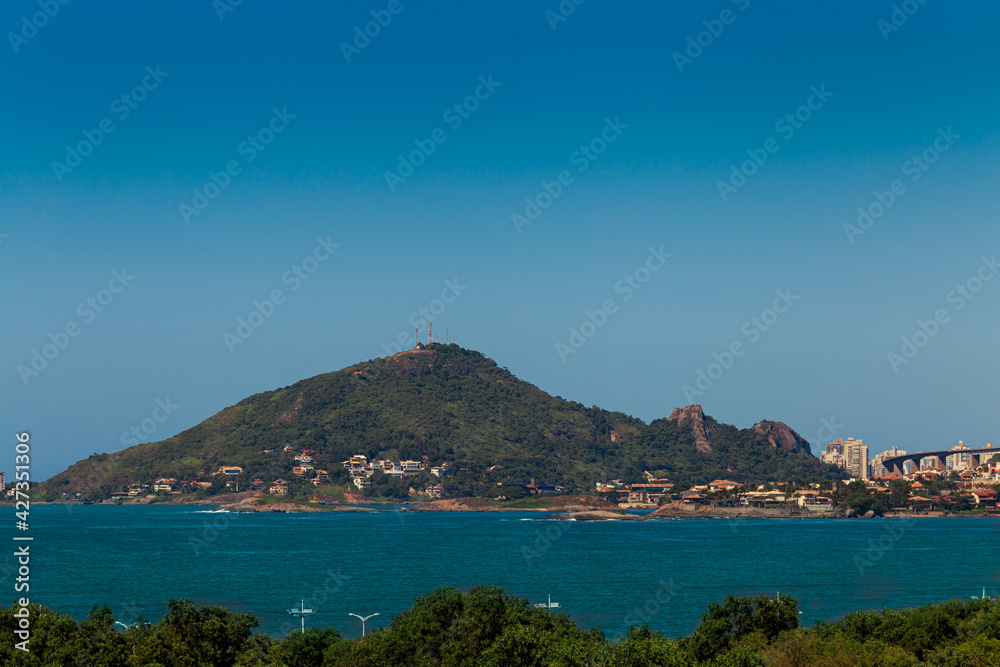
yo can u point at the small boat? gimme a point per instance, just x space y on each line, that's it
547 605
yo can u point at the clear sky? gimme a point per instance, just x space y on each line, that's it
737 137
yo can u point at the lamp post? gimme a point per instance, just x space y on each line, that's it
363 620
301 612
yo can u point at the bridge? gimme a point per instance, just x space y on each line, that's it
897 463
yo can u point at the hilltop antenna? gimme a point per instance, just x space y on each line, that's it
416 336
430 328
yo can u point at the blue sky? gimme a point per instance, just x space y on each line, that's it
641 143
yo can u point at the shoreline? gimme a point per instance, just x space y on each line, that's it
574 512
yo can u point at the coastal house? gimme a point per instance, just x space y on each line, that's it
545 488
301 470
258 485
986 498
692 500
288 448
279 488
434 490
919 503
613 485
761 499
230 470
648 493
361 482
637 498
723 485
438 471
813 501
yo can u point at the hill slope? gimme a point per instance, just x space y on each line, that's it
450 404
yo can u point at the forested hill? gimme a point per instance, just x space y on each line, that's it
454 405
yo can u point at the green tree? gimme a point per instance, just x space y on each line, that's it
307 649
189 636
723 626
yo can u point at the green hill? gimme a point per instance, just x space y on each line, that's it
444 403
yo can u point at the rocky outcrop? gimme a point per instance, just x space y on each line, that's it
781 437
692 417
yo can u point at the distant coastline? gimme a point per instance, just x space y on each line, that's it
573 511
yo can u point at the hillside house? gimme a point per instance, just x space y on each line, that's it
164 484
411 467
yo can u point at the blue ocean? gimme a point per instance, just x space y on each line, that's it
608 574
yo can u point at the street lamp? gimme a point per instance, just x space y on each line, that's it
363 619
301 612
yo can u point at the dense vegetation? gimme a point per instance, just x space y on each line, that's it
447 404
487 628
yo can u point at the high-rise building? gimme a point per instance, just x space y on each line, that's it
958 462
856 458
834 453
877 467
3 484
852 456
